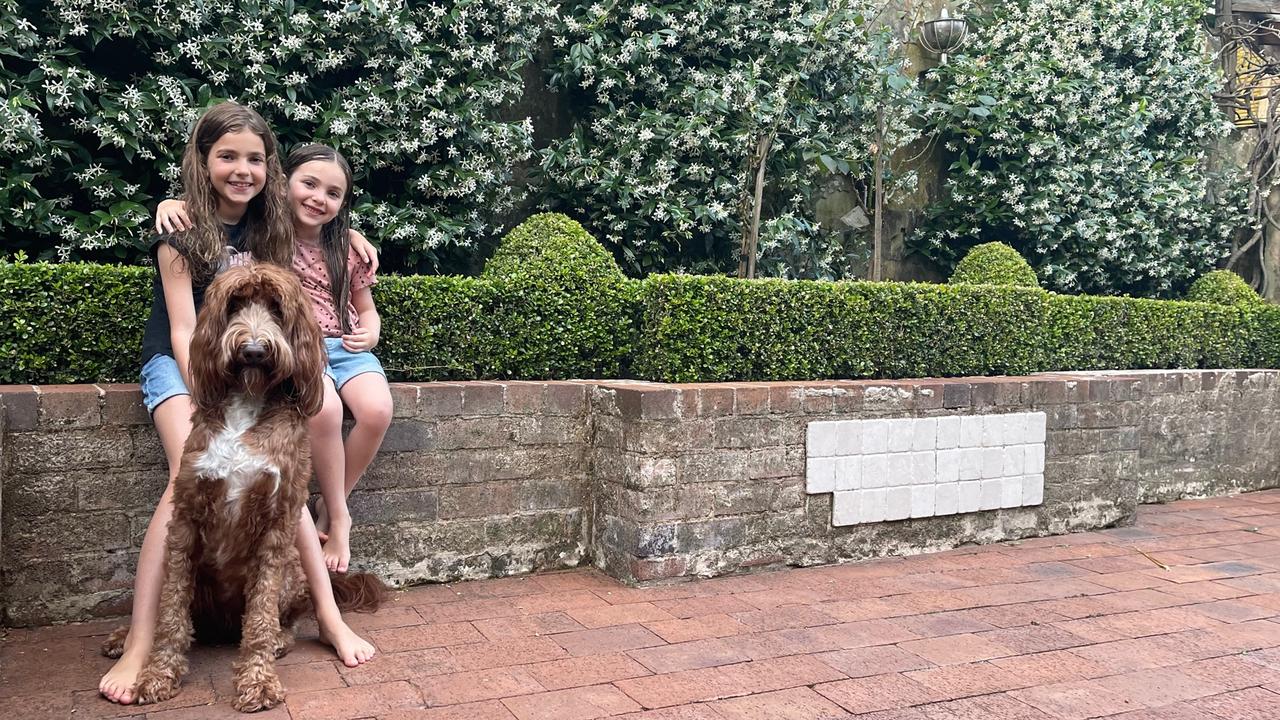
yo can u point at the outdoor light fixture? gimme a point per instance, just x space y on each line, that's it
944 35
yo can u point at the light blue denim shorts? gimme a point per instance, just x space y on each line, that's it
344 364
160 381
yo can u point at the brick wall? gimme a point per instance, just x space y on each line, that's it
645 480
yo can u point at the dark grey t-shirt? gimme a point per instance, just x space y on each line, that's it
156 338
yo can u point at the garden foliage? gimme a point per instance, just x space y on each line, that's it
1223 287
97 99
1080 134
994 263
662 105
553 305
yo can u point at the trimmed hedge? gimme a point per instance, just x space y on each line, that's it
560 301
71 323
1223 287
552 304
711 329
994 263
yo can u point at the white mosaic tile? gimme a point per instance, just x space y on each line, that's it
899 468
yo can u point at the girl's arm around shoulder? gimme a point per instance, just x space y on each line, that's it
171 216
179 302
364 249
367 335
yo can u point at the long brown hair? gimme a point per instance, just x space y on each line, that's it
268 223
335 236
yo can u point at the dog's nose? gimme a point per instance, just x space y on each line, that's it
253 352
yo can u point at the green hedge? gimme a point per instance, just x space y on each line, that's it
553 305
1223 287
709 329
994 263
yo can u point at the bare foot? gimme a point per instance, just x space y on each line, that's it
118 684
352 649
337 548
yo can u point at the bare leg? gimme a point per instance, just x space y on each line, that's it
327 463
167 662
352 649
369 399
173 423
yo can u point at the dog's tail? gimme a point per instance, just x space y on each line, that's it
358 592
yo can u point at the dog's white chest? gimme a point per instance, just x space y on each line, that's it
228 458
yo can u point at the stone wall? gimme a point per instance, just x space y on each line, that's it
645 480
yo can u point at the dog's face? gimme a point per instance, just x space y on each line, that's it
256 334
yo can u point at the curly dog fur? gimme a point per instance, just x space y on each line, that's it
231 568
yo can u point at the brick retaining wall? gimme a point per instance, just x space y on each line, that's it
645 480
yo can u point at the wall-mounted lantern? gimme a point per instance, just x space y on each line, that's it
944 35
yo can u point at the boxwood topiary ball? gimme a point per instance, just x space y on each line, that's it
994 263
1223 287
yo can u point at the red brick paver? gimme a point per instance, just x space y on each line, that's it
1076 626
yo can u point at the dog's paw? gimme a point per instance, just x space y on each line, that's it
264 694
284 643
154 687
113 646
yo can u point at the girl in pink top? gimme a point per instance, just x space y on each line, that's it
339 284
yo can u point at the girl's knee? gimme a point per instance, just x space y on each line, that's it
329 419
374 414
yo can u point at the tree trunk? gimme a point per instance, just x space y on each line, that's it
877 235
751 229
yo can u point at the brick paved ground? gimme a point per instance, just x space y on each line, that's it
1079 626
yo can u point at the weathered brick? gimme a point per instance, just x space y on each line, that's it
648 569
956 395
566 398
393 505
51 536
477 500
817 398
497 432
784 399
930 396
982 394
549 430
751 400
122 405
404 399
750 432
70 406
101 447
439 399
1047 392
716 401
21 407
28 494
410 435
1011 393
124 489
482 398
733 498
525 398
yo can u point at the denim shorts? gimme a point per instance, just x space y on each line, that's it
344 364
160 381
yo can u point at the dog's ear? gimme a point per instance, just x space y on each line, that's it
303 333
209 378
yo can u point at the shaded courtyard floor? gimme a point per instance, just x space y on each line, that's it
1177 617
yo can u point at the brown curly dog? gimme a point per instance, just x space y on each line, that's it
231 568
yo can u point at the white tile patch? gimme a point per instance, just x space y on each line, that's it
923 467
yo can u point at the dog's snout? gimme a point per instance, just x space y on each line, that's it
253 352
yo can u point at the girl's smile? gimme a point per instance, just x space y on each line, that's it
237 165
317 190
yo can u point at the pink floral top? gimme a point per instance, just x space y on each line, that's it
308 263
